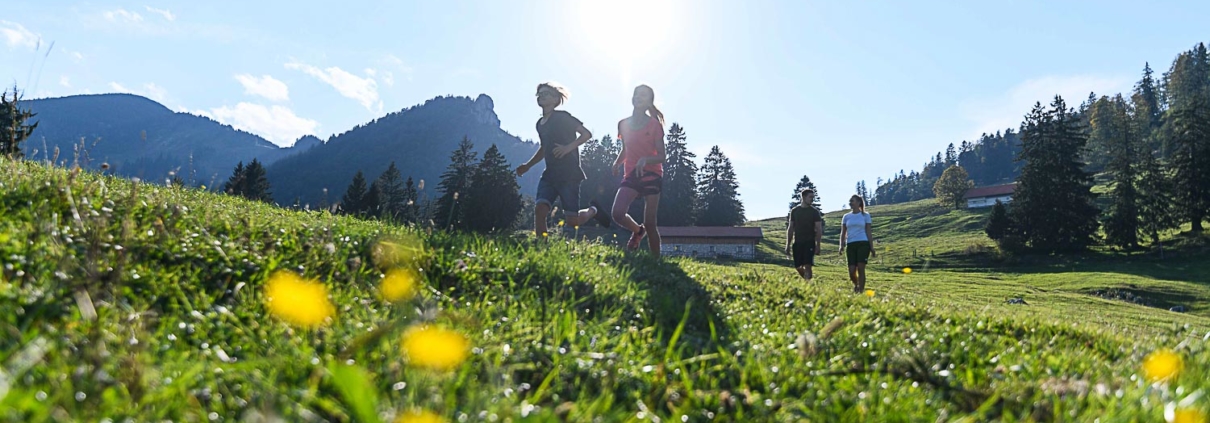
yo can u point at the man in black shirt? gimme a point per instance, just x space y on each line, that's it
803 234
557 131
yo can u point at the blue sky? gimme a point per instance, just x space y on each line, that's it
838 91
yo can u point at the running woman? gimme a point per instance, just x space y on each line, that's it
855 230
642 160
557 131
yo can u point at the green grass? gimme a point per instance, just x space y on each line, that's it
561 330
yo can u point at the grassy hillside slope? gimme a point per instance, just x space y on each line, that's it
122 300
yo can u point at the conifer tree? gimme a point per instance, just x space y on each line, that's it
678 200
13 124
796 197
354 199
454 184
1121 220
493 199
719 192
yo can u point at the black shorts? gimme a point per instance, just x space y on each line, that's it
567 192
858 252
804 254
649 184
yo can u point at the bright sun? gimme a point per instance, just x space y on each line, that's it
627 31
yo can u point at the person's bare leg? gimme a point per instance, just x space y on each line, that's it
650 214
581 217
541 212
861 276
853 277
621 203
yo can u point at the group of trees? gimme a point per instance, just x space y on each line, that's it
990 160
249 182
1153 149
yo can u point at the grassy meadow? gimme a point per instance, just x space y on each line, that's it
124 301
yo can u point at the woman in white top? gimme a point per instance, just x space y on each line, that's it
857 234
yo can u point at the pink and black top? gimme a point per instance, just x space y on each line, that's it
642 142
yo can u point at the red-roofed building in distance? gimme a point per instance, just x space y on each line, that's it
710 241
987 196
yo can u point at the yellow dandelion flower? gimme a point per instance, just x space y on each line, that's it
1162 365
869 293
299 302
434 347
398 285
1188 415
419 416
545 234
907 270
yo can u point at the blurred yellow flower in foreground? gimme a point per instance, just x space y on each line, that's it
869 293
434 347
907 270
398 285
1162 365
1188 415
419 416
397 250
297 301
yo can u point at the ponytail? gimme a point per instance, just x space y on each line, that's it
656 113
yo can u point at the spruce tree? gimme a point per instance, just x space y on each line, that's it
371 206
1156 205
1121 221
1146 105
719 192
353 202
256 185
796 197
1190 160
454 184
1053 202
596 157
13 125
951 188
678 200
493 199
235 184
411 210
392 198
998 223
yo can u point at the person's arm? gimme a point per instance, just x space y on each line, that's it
789 232
844 232
661 155
818 237
621 153
585 135
869 234
532 161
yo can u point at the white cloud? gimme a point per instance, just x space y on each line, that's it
162 12
364 90
75 56
278 124
64 81
123 15
1009 109
265 86
15 35
119 88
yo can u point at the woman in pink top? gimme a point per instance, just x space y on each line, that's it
642 160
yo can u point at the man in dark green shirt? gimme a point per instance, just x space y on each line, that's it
803 234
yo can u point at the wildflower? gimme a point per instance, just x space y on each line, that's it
297 301
1187 415
907 270
398 285
419 416
435 348
1162 365
869 293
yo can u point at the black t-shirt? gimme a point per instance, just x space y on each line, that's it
803 217
560 129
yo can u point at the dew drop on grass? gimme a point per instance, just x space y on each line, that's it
398 386
80 396
40 396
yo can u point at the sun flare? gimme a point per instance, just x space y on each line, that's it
627 31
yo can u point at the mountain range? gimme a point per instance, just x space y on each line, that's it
138 137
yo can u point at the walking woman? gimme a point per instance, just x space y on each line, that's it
557 131
856 233
642 160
